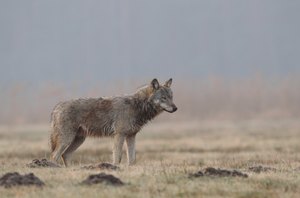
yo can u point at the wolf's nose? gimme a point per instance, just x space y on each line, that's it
174 109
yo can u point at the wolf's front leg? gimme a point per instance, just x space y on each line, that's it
130 142
117 148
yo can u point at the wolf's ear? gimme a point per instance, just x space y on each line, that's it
168 83
155 84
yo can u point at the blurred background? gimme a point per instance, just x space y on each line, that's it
229 60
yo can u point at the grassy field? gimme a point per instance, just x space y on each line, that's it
166 154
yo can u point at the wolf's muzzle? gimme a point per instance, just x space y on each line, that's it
174 108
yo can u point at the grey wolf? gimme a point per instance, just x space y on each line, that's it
120 117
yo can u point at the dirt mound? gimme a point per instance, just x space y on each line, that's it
259 169
213 172
103 178
36 163
102 166
15 179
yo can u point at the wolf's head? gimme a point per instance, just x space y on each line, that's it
162 96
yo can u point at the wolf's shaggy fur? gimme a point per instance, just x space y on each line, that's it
120 117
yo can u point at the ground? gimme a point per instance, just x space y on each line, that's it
167 152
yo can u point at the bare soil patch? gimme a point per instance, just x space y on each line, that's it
103 178
102 166
15 179
213 172
260 169
36 163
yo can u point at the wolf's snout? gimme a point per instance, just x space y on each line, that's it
174 108
171 109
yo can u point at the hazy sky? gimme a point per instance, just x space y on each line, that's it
95 40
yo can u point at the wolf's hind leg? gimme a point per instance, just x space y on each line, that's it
117 148
64 143
73 146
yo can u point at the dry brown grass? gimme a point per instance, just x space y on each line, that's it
166 154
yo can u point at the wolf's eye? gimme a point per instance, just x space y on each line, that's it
163 98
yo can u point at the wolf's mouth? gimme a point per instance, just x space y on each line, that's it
172 110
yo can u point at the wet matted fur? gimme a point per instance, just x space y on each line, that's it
120 117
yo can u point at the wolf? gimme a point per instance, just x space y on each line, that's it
120 117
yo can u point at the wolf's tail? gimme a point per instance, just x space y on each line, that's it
53 141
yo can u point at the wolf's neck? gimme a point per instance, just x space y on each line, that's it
145 111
